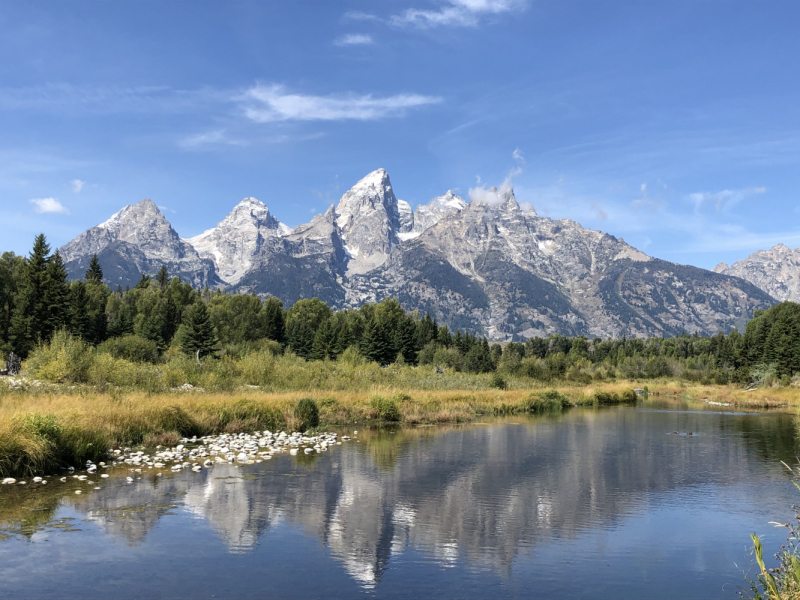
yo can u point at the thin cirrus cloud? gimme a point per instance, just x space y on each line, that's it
354 39
77 185
48 205
724 200
270 103
456 13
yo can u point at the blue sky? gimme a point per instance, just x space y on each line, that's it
675 125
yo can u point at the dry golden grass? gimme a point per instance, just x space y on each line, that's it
41 430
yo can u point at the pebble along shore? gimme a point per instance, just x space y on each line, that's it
201 453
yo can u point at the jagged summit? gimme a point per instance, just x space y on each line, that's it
235 244
368 217
776 271
138 239
485 265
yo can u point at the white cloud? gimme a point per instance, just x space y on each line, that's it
457 13
268 103
724 200
77 185
354 39
517 156
48 205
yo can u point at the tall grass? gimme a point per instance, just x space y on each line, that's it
40 432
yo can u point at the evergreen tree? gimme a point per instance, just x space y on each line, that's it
56 296
274 320
300 337
11 267
197 332
143 283
376 343
30 316
407 340
79 322
162 278
94 273
324 345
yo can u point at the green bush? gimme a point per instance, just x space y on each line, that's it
386 409
66 359
130 347
545 401
308 414
626 397
498 381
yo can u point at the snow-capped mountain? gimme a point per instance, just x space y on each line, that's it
138 239
487 266
236 243
776 271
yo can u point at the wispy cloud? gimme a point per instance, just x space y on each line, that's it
48 205
269 103
77 185
208 138
67 98
724 200
456 13
354 39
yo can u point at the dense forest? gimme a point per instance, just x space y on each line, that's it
162 316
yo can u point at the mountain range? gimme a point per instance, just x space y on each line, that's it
488 265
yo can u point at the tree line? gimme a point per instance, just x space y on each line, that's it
161 313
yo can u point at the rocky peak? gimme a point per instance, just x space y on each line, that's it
238 239
776 271
138 239
141 224
721 267
428 215
368 216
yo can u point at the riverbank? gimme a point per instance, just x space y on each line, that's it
45 427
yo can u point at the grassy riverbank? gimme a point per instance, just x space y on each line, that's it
47 426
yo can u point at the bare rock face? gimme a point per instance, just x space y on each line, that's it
428 215
487 266
137 240
368 218
237 242
776 271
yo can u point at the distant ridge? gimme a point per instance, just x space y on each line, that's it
487 266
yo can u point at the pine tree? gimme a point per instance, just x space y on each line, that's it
56 296
79 323
324 345
300 338
143 283
162 278
94 273
30 309
197 332
274 320
376 343
407 340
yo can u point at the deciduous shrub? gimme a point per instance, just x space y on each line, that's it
307 412
385 409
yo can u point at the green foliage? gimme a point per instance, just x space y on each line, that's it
498 381
66 359
197 332
307 412
130 347
385 409
545 401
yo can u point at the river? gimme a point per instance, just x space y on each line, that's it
588 503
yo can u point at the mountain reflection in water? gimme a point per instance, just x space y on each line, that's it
477 496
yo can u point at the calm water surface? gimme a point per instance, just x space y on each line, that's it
592 503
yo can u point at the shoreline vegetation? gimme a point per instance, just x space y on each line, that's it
161 361
46 427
